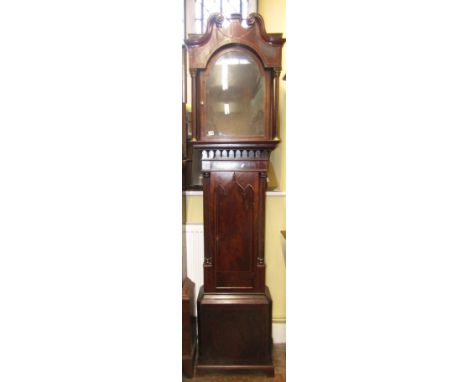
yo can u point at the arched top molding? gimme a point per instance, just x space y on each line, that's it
219 35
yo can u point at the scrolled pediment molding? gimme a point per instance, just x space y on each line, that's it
220 34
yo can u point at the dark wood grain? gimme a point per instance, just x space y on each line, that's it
279 360
233 217
266 48
235 332
234 306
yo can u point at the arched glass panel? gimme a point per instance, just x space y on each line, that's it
234 97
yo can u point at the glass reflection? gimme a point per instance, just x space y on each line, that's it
234 101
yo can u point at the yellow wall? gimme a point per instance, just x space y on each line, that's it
274 15
192 209
274 256
273 12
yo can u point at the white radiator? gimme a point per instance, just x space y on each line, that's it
192 252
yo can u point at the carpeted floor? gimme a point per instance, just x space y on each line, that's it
279 357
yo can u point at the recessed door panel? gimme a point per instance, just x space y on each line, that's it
235 221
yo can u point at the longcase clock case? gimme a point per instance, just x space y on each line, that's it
235 78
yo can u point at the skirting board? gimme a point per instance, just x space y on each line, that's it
279 333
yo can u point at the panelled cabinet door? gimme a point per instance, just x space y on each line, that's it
234 196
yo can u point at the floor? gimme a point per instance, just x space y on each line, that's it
279 359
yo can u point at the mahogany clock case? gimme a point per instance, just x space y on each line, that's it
249 61
234 332
235 73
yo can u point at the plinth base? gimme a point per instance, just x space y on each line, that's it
268 370
234 332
